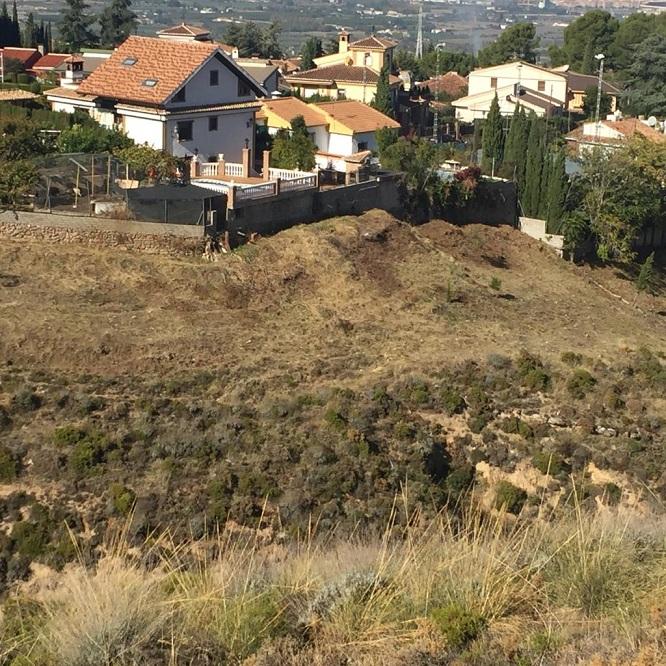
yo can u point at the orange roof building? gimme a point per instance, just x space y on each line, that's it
185 97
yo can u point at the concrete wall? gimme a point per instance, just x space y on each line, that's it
268 216
145 130
537 229
495 203
140 236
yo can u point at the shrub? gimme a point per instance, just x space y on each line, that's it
515 425
68 435
496 283
580 383
458 625
460 479
612 493
571 358
452 401
532 373
26 400
335 419
509 497
9 465
30 538
549 463
122 498
88 453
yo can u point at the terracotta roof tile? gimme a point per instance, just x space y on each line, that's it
12 95
288 108
168 62
26 56
627 127
51 60
450 83
357 116
341 72
71 93
184 30
373 42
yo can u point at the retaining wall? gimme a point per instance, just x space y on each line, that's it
142 236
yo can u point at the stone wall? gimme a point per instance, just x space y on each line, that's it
139 236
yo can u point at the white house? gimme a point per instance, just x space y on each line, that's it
609 135
536 88
343 131
186 97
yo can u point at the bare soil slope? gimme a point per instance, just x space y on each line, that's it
341 298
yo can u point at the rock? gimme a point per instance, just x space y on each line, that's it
557 421
606 432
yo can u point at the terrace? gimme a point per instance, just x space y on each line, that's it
240 183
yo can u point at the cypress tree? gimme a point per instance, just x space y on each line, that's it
493 138
75 24
557 193
382 100
15 27
5 26
587 65
521 147
546 173
30 32
512 140
531 191
118 22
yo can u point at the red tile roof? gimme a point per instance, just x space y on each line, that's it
627 128
166 61
184 30
340 72
450 83
287 108
357 116
26 56
51 60
373 42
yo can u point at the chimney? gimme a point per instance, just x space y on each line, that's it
40 48
343 42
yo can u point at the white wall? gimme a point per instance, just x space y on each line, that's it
229 139
340 144
198 90
144 130
554 84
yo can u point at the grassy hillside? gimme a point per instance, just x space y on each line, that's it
293 455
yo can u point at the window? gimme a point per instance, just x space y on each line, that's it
129 61
362 145
212 123
150 83
185 130
214 77
180 95
342 93
493 82
243 89
541 86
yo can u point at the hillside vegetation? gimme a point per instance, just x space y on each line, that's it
355 442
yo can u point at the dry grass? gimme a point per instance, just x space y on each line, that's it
575 585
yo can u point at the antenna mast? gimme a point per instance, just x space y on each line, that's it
419 35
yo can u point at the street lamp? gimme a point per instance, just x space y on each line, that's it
600 57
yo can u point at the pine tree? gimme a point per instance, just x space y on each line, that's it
646 274
493 139
75 24
557 193
382 100
587 66
531 190
118 22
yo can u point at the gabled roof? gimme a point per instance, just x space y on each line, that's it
581 82
356 117
287 108
373 42
11 95
70 93
168 63
450 83
50 61
341 73
518 62
184 30
627 127
23 55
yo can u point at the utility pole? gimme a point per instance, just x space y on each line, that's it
419 35
600 57
435 121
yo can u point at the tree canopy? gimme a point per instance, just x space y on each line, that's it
117 22
518 42
646 79
590 103
74 26
253 40
382 100
493 139
294 149
311 49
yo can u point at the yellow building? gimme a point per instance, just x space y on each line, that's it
351 73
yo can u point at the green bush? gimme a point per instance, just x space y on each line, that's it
458 625
68 435
515 425
549 463
30 538
460 479
9 465
612 493
122 498
532 372
509 497
335 419
452 401
571 358
496 283
88 453
26 400
580 383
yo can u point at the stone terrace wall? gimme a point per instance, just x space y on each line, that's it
141 236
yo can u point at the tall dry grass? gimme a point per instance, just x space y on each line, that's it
475 586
